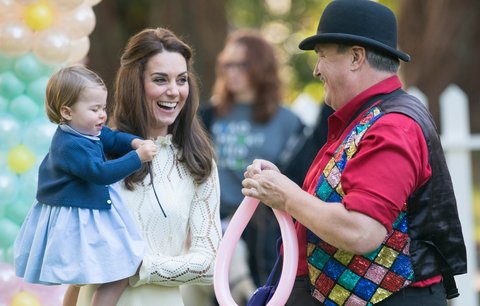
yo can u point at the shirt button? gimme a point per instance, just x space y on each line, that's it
109 202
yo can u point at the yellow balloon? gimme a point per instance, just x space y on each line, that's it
39 16
23 298
20 159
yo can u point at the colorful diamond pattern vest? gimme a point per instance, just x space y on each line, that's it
342 278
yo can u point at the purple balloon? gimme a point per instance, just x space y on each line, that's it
9 283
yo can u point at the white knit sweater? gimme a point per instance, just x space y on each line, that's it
180 248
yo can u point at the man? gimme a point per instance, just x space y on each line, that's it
376 220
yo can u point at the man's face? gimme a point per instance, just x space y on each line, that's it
333 70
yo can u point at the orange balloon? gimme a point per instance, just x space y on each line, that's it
39 16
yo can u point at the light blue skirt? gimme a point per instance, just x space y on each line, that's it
70 245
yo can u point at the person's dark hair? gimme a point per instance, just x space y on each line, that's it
131 113
377 60
262 69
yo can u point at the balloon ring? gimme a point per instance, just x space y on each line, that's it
224 255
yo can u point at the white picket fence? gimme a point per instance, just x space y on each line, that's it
458 144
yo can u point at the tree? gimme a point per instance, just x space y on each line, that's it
202 23
442 38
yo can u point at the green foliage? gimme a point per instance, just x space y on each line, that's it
299 21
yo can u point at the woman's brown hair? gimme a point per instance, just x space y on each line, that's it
262 69
131 113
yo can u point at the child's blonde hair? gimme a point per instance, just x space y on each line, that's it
64 88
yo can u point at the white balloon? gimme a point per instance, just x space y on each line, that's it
92 2
15 38
78 23
79 49
52 46
66 4
9 9
26 2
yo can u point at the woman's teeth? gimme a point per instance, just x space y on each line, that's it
167 105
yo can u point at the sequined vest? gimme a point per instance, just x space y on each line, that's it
409 252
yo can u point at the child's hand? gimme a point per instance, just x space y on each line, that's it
147 150
137 143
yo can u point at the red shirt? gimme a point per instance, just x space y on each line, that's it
390 164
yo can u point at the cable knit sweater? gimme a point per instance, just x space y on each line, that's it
190 208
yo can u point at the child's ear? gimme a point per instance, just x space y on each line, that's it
66 113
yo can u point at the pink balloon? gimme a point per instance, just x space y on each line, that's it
9 283
48 295
224 255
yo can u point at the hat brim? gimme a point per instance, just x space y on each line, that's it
310 42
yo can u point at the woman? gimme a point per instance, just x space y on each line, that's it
156 97
247 121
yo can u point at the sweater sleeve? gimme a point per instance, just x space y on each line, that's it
115 142
197 264
85 160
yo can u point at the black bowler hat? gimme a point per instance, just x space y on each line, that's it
362 22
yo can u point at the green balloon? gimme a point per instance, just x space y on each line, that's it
10 132
6 63
8 233
9 184
10 85
17 211
24 108
3 104
37 89
6 255
27 68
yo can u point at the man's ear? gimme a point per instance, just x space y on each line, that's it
358 57
66 113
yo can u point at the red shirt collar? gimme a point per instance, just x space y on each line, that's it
346 112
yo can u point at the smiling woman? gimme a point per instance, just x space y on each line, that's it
166 89
156 97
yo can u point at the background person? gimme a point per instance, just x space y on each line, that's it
246 120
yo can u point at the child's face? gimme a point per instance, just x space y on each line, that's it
88 115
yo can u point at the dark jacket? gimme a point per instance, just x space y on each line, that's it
76 173
437 245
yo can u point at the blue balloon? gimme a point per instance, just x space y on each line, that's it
9 184
27 68
24 108
10 131
10 85
3 104
17 211
3 161
28 181
37 89
8 233
38 135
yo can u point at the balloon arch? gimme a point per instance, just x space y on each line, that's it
36 37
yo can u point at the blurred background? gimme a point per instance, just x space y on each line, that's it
442 37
